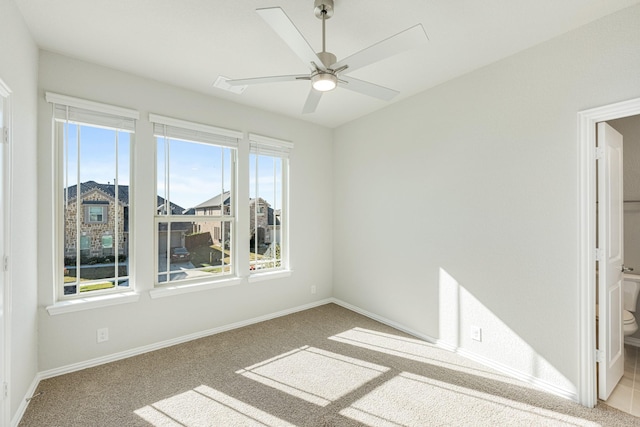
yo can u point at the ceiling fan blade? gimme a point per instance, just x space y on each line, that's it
281 24
270 79
312 101
367 88
405 40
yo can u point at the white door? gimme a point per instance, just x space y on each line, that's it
610 244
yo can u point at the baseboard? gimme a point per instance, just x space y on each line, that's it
632 341
543 385
502 368
168 343
25 402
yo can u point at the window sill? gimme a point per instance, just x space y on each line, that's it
88 303
167 291
259 277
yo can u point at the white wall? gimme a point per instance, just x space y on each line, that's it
18 69
458 206
71 338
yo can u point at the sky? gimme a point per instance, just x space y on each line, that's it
197 172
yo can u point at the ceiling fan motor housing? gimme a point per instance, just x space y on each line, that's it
321 7
327 58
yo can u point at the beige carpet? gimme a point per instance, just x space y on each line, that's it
326 366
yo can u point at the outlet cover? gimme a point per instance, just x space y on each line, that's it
102 334
476 333
313 289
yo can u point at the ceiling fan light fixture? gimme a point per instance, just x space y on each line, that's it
324 82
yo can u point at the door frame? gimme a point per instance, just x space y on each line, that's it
587 120
5 249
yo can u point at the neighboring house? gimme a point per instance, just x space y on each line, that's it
179 230
268 222
216 206
99 210
268 219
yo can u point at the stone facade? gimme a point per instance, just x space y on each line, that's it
95 233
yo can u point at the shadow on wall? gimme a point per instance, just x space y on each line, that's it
468 327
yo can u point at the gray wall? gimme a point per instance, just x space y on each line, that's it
71 338
18 70
458 207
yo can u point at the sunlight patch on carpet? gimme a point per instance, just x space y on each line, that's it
317 376
418 350
205 406
410 400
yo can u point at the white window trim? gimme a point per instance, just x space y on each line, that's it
163 289
269 275
197 127
91 302
70 303
277 148
55 98
187 288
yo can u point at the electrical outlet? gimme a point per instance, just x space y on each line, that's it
313 289
476 333
102 334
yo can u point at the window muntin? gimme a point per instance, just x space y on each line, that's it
268 177
94 195
196 202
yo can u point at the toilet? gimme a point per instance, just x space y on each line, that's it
630 291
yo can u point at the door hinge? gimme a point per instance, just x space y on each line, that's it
5 263
599 153
598 254
5 135
599 356
5 390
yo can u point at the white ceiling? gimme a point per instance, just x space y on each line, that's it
189 43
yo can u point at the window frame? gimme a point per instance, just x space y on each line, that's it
104 213
261 145
98 115
197 133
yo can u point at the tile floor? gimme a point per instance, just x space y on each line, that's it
626 395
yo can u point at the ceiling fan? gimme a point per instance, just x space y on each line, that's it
326 71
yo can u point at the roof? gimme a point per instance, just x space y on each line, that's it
110 190
225 198
215 201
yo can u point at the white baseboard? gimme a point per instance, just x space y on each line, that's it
179 340
25 402
145 349
502 368
543 385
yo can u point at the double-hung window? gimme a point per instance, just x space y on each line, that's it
196 200
93 144
268 204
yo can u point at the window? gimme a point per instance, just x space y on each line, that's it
196 200
93 143
268 203
95 214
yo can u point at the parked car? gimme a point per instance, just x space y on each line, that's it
180 254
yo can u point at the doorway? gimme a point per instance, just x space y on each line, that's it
587 131
616 369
